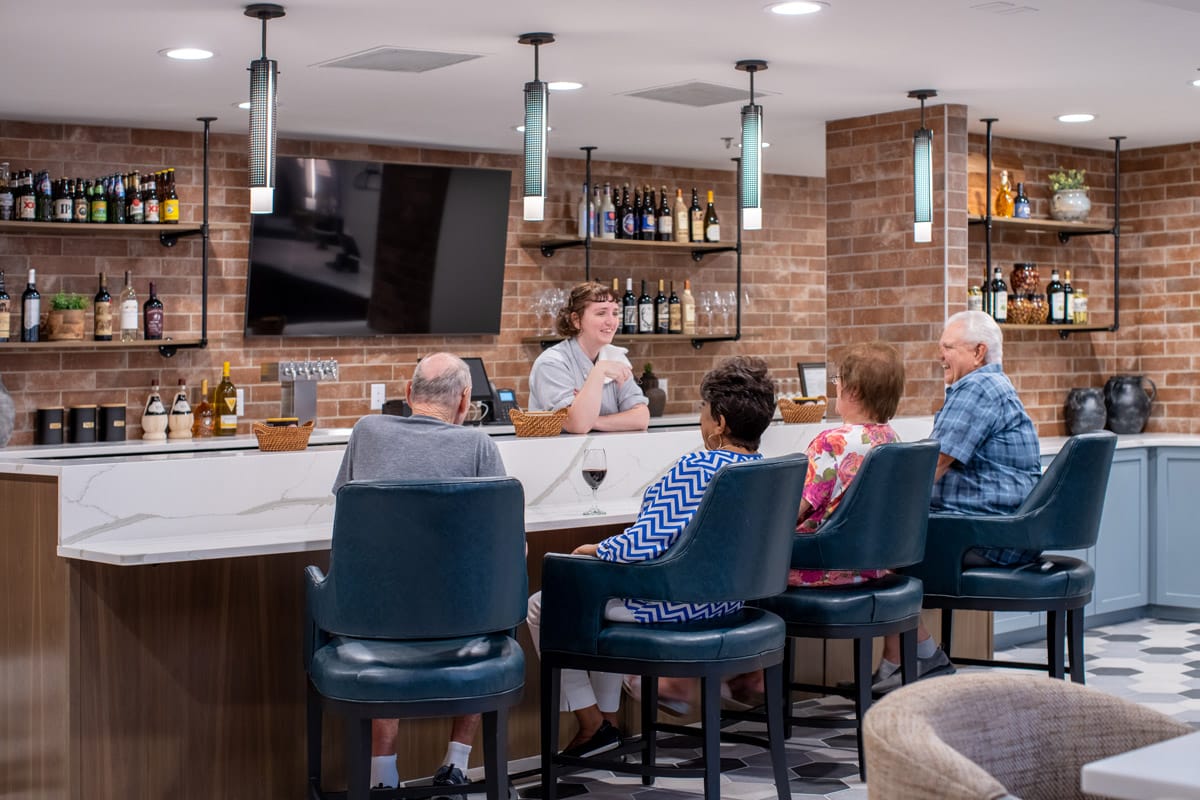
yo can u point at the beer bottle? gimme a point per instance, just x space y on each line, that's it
170 205
99 209
649 215
64 207
150 200
7 200
134 207
628 221
117 209
81 202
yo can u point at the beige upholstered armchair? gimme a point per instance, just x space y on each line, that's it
989 736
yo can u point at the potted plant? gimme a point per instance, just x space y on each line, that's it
1070 201
66 318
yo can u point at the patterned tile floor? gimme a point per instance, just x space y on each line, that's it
1152 662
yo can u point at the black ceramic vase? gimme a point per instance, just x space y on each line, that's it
657 397
1127 402
1085 411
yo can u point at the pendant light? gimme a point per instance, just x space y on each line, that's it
264 74
751 168
537 122
922 173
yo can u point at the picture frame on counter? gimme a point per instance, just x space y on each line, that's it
813 378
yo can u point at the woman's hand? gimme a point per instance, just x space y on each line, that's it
612 369
584 550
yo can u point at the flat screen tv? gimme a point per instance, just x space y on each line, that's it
358 248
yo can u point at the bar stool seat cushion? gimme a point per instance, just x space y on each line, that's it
382 670
1065 577
890 598
746 633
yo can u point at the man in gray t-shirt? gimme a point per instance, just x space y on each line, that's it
430 444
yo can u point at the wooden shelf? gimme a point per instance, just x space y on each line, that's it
550 338
697 250
1042 225
91 344
93 228
1047 327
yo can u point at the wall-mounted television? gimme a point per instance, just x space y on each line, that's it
359 248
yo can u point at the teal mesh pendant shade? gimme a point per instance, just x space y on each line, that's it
537 103
264 75
751 168
923 174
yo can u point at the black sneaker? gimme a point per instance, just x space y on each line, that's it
605 739
449 775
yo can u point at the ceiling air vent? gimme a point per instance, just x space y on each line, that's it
696 93
397 59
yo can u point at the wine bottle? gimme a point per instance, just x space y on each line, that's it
202 413
649 216
1021 203
665 221
102 329
712 227
595 225
695 219
31 309
629 310
1054 294
689 309
581 215
637 214
662 311
7 200
5 309
674 312
154 418
608 215
681 217
1068 301
129 310
179 422
225 400
628 221
152 315
645 311
999 297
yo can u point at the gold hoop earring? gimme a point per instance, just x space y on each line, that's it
720 441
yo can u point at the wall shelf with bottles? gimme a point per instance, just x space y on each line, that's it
168 235
698 250
638 338
1065 232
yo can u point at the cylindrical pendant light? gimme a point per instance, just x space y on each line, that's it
752 122
264 75
923 173
537 127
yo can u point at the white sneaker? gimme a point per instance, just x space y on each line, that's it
937 664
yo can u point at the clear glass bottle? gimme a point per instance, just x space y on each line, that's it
1003 205
129 310
202 414
225 400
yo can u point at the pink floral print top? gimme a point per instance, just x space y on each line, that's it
834 457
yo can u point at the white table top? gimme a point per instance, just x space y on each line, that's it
1167 770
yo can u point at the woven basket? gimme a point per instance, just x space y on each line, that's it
802 409
538 423
278 440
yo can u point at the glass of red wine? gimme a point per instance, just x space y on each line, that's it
595 468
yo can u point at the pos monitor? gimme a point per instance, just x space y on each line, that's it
481 387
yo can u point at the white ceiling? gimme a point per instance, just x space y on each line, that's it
1129 62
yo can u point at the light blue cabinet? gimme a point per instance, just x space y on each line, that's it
1122 554
1177 527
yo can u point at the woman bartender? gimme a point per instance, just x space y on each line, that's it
600 391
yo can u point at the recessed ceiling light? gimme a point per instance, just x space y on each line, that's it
186 53
563 86
1196 82
1076 117
244 105
521 128
797 8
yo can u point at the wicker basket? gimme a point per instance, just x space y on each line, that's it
802 409
279 440
538 423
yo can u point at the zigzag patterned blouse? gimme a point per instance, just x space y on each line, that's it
667 507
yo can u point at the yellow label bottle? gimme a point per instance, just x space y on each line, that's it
225 416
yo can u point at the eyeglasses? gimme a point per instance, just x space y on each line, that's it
835 380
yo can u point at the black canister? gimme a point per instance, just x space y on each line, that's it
1127 402
49 428
112 422
82 427
1085 411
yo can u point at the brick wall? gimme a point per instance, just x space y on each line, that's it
783 274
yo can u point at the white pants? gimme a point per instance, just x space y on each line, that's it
581 689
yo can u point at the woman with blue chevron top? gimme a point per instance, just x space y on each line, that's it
736 406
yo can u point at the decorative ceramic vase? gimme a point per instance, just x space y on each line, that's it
656 396
1085 411
8 415
1127 402
1070 205
65 324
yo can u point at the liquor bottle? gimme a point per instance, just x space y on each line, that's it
974 299
179 421
1003 206
202 414
1079 306
1021 203
665 221
675 312
645 311
5 311
116 211
154 418
637 214
681 217
629 310
31 309
64 207
662 312
225 401
999 297
689 309
169 210
649 216
102 313
1054 294
135 208
152 316
99 203
129 310
712 226
150 200
695 219
81 202
1068 301
581 215
628 220
608 215
7 202
618 214
594 221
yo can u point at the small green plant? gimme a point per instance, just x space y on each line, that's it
64 301
647 369
1067 179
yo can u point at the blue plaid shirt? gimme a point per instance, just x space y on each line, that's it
985 429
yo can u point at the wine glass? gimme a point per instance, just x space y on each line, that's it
595 468
729 309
